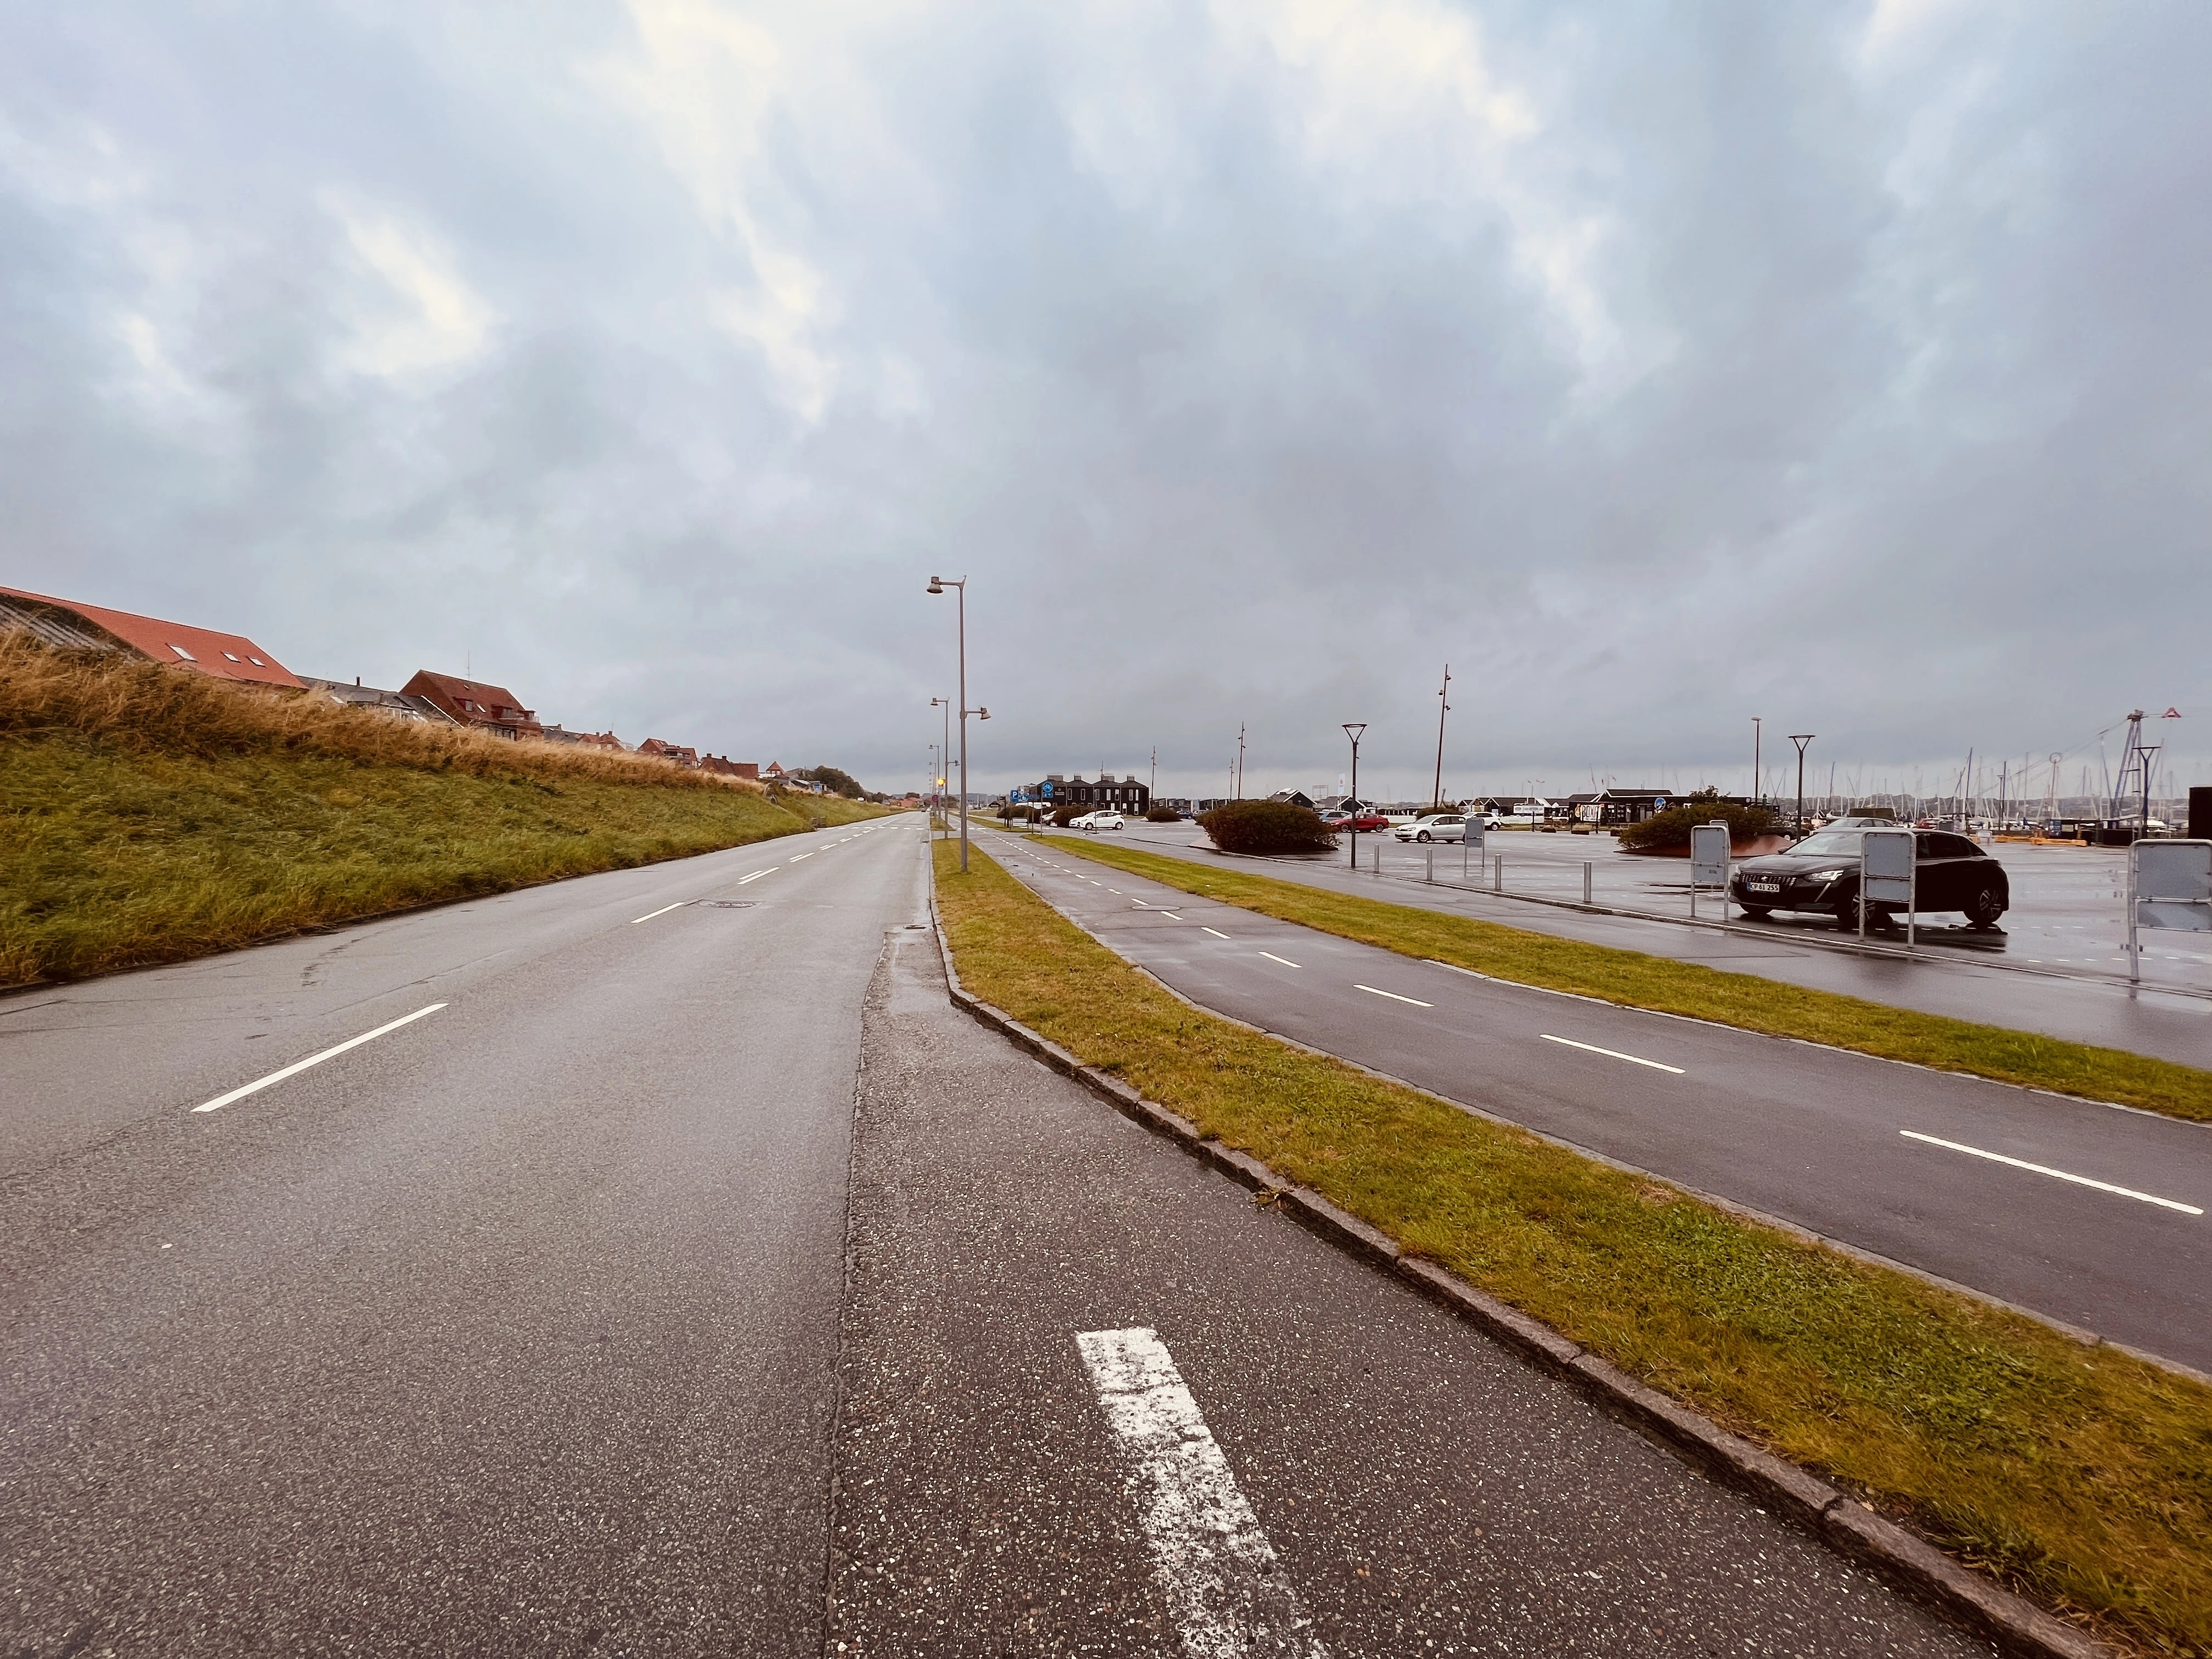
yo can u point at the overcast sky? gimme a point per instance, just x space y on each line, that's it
1656 366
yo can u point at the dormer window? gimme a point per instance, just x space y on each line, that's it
185 654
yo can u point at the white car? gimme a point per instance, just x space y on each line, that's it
1107 820
1434 826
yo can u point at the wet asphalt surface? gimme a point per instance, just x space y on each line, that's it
1820 1137
1425 1492
584 1316
2051 968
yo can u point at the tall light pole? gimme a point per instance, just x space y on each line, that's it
936 785
1444 708
1757 795
937 585
945 703
1240 760
1154 787
1353 729
1801 739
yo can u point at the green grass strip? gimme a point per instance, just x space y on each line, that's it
2079 1475
1637 981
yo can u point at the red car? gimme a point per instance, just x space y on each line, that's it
1364 823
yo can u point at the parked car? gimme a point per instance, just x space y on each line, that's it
1107 819
1820 874
1333 816
1434 826
1365 824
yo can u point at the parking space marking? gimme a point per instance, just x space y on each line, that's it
2055 1174
299 1066
1613 1054
1216 932
662 911
1392 995
1227 1591
1272 957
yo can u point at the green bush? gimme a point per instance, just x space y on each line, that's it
1266 826
1163 814
1671 827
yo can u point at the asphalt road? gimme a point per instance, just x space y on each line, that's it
1968 982
575 1315
1867 1151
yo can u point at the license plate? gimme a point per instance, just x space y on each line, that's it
1764 886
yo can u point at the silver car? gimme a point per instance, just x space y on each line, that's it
1434 826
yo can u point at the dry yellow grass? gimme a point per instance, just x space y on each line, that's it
151 814
148 708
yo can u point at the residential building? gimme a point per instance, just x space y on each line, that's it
1126 795
376 701
725 767
683 755
74 626
491 708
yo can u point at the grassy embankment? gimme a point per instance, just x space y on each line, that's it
2079 1475
150 814
1638 981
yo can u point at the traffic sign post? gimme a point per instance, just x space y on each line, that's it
2169 886
1709 863
1887 874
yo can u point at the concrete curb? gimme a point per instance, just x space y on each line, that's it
2015 1624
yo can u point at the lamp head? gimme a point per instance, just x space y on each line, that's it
1353 728
983 714
936 585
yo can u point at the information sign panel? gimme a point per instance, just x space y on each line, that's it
1708 855
1708 862
1886 869
2169 886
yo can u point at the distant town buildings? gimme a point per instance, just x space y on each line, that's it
430 698
1126 795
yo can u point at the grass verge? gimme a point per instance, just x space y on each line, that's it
151 815
2080 1476
1638 981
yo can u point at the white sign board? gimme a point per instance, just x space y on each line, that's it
1708 855
1887 874
2170 886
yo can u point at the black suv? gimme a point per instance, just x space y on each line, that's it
1821 874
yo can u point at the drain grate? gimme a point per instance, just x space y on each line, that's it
729 904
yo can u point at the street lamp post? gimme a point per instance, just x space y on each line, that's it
945 703
937 585
1353 729
936 786
1801 739
1444 708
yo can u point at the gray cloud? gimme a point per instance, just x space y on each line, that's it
1844 367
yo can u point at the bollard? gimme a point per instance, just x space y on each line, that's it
1497 873
1586 882
1378 856
1429 858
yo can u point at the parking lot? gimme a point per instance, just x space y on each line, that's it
2056 964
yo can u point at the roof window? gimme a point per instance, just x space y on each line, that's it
231 655
258 663
185 654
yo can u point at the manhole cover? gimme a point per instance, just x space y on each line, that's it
729 904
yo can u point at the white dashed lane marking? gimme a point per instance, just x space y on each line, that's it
299 1066
2055 1174
1611 1054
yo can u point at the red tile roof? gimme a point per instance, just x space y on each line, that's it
225 656
490 708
